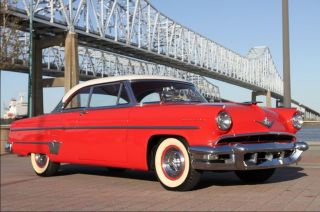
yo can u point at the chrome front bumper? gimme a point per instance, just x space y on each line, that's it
246 156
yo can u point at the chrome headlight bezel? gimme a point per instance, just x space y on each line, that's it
297 120
224 121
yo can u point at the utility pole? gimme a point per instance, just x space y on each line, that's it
30 106
286 55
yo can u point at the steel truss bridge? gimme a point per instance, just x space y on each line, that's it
97 63
136 29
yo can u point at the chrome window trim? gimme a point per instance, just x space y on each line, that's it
166 80
88 108
130 93
111 106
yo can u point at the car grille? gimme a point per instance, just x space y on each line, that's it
261 138
260 157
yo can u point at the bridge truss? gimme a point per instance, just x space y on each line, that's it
136 29
95 63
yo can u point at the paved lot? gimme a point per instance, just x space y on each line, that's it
95 188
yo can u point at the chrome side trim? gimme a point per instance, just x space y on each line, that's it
235 157
54 146
107 127
30 142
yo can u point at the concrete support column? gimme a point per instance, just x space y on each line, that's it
253 96
286 55
53 82
37 89
268 99
71 71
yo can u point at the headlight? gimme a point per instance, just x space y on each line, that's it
297 120
224 121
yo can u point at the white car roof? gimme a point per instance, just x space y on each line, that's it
115 79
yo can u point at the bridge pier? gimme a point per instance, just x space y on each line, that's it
254 95
37 81
268 99
37 89
71 71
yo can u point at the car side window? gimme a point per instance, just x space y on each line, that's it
80 99
151 98
108 95
123 96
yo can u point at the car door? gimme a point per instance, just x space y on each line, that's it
68 121
102 126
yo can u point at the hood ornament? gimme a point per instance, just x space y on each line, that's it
266 122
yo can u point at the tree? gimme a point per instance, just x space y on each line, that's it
10 49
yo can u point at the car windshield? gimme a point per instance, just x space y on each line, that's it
156 91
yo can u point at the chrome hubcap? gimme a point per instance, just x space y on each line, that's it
41 160
173 163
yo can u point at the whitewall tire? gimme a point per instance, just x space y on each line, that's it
173 167
42 165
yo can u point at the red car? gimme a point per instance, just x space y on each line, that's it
161 124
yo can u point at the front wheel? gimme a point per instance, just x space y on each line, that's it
255 176
42 165
173 167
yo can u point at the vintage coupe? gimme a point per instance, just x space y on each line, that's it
161 124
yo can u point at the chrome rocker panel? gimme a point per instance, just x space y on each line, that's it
235 157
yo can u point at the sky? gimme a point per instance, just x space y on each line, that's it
238 25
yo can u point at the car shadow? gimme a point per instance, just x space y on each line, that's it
70 169
230 179
208 179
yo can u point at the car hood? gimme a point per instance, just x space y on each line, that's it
249 118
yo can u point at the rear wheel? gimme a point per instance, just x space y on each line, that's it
255 176
42 165
173 167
